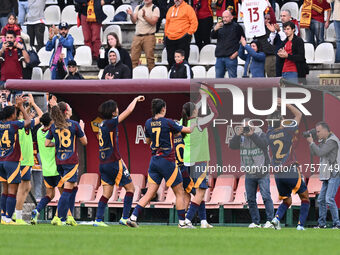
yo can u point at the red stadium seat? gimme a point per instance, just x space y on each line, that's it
226 180
220 196
90 178
169 202
240 199
85 193
314 185
54 201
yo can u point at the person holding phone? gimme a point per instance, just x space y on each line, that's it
12 54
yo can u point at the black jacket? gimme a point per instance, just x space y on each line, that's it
119 70
8 6
297 56
267 48
228 39
124 58
75 76
81 8
181 71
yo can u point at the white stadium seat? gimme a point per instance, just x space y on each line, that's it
207 55
83 56
44 57
123 8
293 8
140 72
109 10
164 60
37 73
240 61
199 72
52 15
330 33
77 34
194 54
324 54
47 74
69 15
159 72
112 28
309 53
240 71
211 72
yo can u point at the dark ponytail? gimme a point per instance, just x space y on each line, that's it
58 115
187 111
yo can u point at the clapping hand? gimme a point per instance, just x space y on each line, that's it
109 76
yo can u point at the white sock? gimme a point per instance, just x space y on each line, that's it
18 214
182 222
133 217
203 222
187 221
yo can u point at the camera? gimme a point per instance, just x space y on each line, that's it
198 6
309 133
10 44
246 130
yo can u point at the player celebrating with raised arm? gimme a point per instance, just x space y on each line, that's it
27 155
159 133
48 165
10 154
112 168
281 141
65 131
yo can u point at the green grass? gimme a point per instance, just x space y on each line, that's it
162 240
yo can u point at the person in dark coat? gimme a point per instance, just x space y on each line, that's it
181 68
116 69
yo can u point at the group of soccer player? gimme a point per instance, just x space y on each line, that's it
177 149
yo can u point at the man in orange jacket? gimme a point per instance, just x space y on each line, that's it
181 23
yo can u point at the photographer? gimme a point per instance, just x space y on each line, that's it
329 152
253 150
11 55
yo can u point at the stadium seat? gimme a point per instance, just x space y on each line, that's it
37 74
159 72
44 57
211 72
324 54
138 180
293 7
314 185
52 15
123 8
140 72
77 34
85 193
277 11
207 195
91 179
194 54
220 195
330 33
240 199
309 53
83 56
47 74
69 15
112 28
299 14
207 55
240 71
303 34
169 202
109 10
240 61
199 72
115 194
94 203
226 180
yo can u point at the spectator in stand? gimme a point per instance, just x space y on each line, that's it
313 20
180 15
91 16
254 59
12 53
181 69
145 16
228 34
73 73
293 55
266 41
231 5
11 25
23 10
336 21
113 42
59 39
7 7
63 3
116 69
36 22
205 22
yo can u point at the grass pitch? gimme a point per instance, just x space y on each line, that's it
162 240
